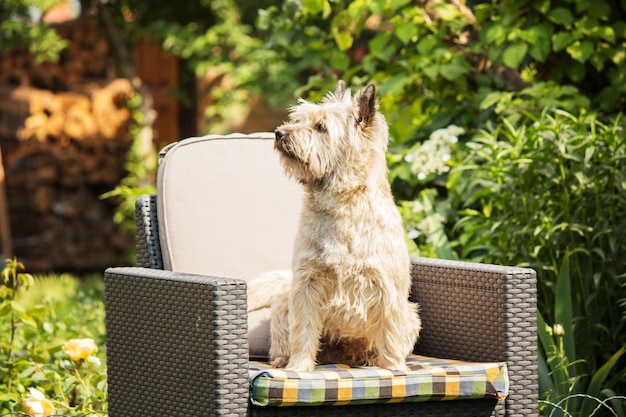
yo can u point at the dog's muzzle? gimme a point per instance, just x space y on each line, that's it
283 143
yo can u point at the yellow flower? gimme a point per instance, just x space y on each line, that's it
37 405
79 349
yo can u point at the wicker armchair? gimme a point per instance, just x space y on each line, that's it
177 342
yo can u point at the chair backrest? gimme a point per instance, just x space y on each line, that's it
226 207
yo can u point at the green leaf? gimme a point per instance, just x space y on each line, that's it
396 4
340 61
553 376
378 45
604 32
491 99
344 40
426 44
405 31
542 6
561 40
514 54
582 5
26 319
563 311
545 339
432 71
618 56
17 307
315 7
597 60
540 49
595 385
452 71
395 83
376 6
561 15
5 307
580 51
494 33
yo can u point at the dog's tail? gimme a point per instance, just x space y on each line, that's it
262 289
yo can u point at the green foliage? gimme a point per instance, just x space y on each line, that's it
224 44
578 42
38 316
140 167
417 55
564 381
549 193
19 29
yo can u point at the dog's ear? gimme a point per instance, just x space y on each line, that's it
367 105
340 90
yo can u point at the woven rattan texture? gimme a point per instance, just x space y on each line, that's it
479 312
461 408
521 342
176 344
148 245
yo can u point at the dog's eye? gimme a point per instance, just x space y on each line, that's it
320 128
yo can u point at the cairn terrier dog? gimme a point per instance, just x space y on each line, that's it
347 298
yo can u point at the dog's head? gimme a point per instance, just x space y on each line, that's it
337 141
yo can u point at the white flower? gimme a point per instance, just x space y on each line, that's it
431 157
559 330
94 359
37 405
413 234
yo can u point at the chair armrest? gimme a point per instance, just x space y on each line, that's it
176 343
480 312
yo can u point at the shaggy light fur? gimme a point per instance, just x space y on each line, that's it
348 298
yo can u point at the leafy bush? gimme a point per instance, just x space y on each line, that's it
50 330
562 41
546 193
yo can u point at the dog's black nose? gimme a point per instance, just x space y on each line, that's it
280 133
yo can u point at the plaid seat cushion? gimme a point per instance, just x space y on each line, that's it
429 379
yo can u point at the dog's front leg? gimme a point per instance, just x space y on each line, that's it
279 330
305 323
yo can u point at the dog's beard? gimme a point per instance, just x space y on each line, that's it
295 166
285 147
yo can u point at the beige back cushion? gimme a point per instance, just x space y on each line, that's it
226 207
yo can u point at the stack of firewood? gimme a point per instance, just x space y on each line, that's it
70 150
64 133
87 57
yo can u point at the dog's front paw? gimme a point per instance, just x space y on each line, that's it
300 366
280 362
394 365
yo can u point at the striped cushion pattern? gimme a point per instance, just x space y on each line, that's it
429 379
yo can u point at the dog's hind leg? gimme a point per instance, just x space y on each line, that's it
262 289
